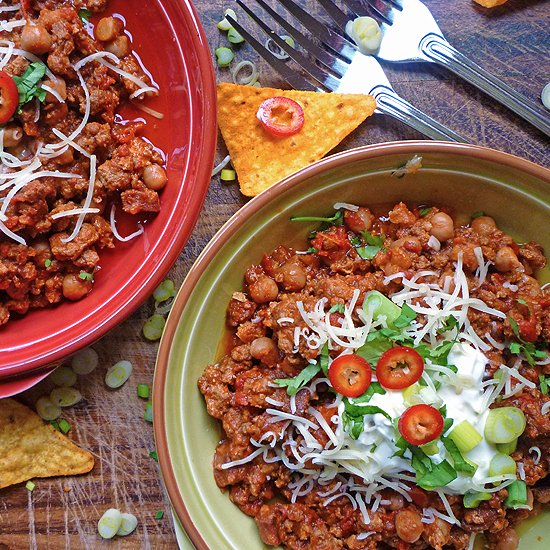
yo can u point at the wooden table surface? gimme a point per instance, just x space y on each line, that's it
512 41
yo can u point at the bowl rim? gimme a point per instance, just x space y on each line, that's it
30 366
232 226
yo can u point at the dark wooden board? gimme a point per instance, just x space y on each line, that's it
512 41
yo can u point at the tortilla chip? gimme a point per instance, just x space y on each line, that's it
261 159
30 448
490 3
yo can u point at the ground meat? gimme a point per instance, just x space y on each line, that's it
122 156
271 345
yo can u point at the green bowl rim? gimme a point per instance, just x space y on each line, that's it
233 225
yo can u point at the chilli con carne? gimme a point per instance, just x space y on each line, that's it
412 460
67 162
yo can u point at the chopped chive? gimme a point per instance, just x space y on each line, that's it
64 426
143 391
30 486
84 15
159 514
154 456
47 263
148 415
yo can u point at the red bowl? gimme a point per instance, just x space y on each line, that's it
168 37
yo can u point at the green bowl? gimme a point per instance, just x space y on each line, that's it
468 178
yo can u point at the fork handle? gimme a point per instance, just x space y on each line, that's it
437 49
391 104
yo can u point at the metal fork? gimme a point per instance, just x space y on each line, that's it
410 33
337 66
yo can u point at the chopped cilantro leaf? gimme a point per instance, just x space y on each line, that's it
368 252
406 317
543 384
522 302
448 324
293 385
527 348
47 263
428 474
374 347
373 240
461 464
337 308
85 276
27 84
84 15
338 217
425 211
312 250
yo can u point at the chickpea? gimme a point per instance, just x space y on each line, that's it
265 350
294 277
154 177
120 46
12 135
43 251
443 227
507 540
484 225
263 290
359 221
506 259
36 39
396 502
75 288
108 28
408 525
59 86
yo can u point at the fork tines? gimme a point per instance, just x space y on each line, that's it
326 65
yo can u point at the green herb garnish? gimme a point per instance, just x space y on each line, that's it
332 220
461 464
293 385
428 474
406 317
85 276
425 211
448 324
47 263
84 15
27 85
373 246
159 514
527 348
154 456
337 308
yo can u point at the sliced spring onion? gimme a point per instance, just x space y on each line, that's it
377 304
503 425
154 456
85 361
517 495
473 500
30 486
228 175
65 397
366 33
109 523
507 448
224 56
411 395
159 514
274 48
153 327
64 426
545 96
143 391
224 24
502 464
128 524
118 374
234 37
164 291
247 80
465 436
46 409
63 376
431 448
148 415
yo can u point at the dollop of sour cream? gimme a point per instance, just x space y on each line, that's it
464 401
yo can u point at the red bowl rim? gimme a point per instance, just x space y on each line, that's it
30 366
232 226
